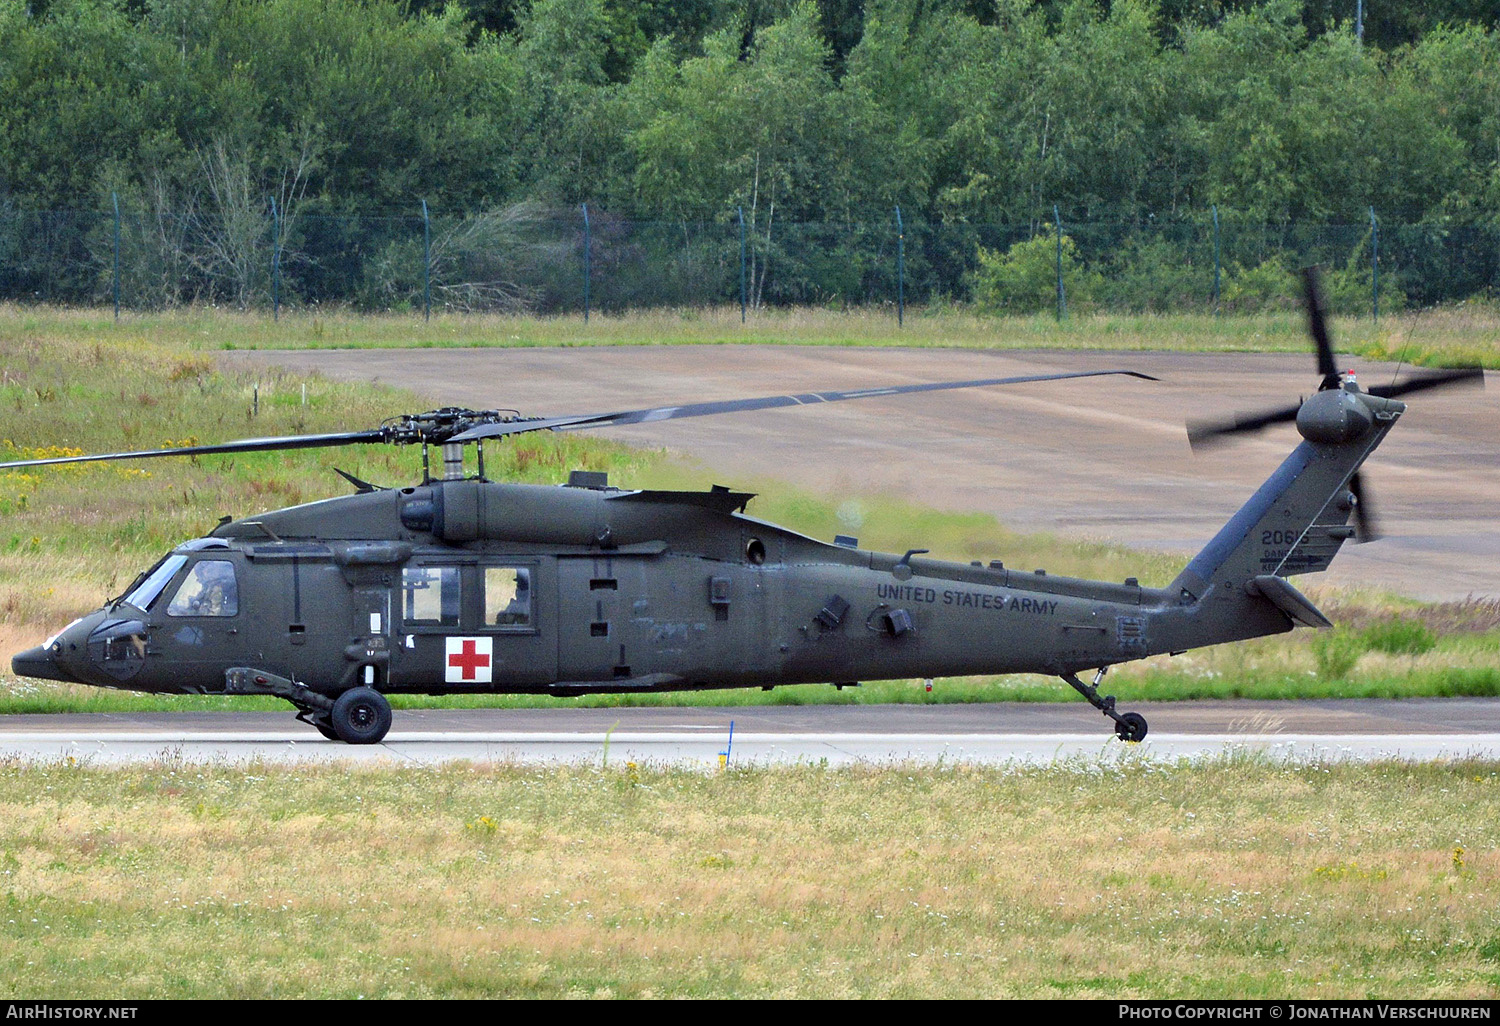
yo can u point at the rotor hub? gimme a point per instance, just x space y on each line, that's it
438 427
1333 416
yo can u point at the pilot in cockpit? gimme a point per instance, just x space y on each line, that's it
209 590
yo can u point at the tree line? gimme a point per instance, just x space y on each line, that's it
222 127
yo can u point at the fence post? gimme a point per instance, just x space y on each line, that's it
1216 259
742 264
1062 300
900 270
1374 267
586 262
275 261
116 288
426 264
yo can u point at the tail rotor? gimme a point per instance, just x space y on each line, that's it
1204 434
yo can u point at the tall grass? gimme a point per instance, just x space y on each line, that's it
1238 878
1452 335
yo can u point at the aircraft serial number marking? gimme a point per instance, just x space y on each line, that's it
978 600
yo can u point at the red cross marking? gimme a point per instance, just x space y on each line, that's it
469 660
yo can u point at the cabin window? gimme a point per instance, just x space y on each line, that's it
507 596
431 595
209 589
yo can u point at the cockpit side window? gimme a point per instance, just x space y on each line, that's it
209 589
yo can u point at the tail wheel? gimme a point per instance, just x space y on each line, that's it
361 716
1131 727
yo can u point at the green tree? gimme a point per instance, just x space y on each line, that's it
1311 131
771 134
568 105
1023 279
1454 74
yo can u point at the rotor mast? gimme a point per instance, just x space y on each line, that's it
453 461
440 427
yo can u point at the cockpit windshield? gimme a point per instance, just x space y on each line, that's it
147 592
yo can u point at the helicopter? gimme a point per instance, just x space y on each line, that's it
462 585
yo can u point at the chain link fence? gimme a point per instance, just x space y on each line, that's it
528 259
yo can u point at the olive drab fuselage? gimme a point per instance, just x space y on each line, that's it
623 591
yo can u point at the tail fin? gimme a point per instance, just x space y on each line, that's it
1294 524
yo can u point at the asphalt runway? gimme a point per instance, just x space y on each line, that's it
997 734
1099 458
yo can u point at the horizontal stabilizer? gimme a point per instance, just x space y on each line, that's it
1289 600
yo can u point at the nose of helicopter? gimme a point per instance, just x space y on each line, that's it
65 656
38 662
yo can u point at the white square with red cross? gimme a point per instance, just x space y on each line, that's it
470 661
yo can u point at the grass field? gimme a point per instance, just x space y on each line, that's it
1464 334
1234 879
71 536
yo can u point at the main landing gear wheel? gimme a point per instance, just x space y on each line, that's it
361 716
1128 726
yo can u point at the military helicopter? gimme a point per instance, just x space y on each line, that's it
461 584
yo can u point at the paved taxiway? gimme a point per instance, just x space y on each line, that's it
1098 458
997 734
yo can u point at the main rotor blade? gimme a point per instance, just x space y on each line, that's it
656 413
1317 326
441 426
243 445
